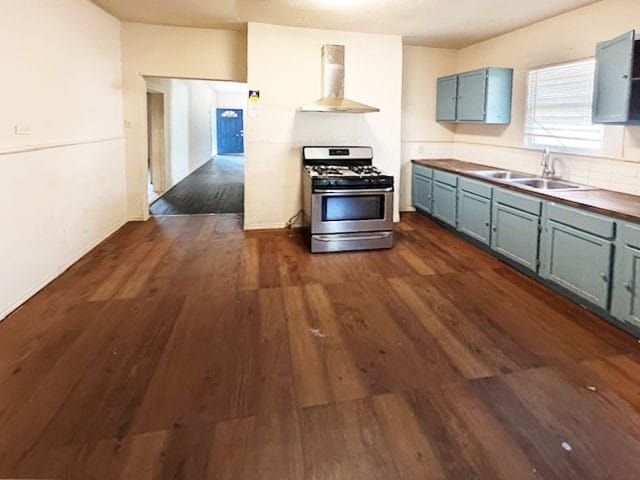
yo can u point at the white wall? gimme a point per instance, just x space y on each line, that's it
176 52
284 64
231 99
563 38
188 105
63 185
422 136
200 106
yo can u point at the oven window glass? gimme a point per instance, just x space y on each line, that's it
344 208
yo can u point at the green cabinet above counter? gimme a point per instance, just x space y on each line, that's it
478 96
616 89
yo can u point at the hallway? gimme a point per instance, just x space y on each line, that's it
216 187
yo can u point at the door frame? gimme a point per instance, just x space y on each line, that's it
156 140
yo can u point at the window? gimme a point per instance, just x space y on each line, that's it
559 108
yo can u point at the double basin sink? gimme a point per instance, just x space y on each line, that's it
532 182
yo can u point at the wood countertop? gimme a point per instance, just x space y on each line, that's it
607 202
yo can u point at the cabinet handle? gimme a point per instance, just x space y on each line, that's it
604 277
625 76
486 224
494 228
628 286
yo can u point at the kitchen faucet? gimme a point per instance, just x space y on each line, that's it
547 164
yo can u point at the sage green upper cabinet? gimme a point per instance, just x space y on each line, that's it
472 95
616 90
625 305
482 96
446 99
576 251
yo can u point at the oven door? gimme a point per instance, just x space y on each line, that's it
346 211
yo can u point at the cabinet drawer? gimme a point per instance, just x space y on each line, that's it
577 261
516 200
446 178
630 235
472 186
422 170
581 220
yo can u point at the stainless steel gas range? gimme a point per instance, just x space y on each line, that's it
347 202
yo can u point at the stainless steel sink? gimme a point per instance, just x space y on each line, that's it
550 184
506 175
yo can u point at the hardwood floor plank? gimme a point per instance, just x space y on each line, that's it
314 330
412 449
345 441
184 347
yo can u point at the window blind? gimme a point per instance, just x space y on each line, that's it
559 107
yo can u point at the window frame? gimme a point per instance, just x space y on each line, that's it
528 138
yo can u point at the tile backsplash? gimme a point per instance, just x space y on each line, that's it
618 175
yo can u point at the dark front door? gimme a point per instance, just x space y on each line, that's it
230 130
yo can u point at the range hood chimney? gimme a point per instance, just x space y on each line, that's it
333 86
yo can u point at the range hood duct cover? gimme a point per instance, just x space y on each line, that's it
333 86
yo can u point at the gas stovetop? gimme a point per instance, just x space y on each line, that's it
343 171
343 168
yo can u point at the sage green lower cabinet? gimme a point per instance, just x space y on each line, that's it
422 188
576 252
474 210
626 289
587 255
515 229
445 197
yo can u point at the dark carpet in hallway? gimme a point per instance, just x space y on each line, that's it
215 187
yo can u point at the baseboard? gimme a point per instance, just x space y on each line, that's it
16 305
265 226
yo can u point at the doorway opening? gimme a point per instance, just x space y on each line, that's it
203 146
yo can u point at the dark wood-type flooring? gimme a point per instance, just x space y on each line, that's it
215 187
184 348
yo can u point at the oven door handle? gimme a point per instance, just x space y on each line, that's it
349 238
363 191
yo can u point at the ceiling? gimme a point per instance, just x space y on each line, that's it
436 23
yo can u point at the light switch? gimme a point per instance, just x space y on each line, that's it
22 130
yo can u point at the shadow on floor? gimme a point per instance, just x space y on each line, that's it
215 187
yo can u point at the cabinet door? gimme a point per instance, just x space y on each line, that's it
612 87
474 216
626 290
472 95
577 261
446 99
445 202
422 190
515 234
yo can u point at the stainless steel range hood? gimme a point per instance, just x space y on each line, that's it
333 100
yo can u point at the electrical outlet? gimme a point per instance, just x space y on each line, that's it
22 130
